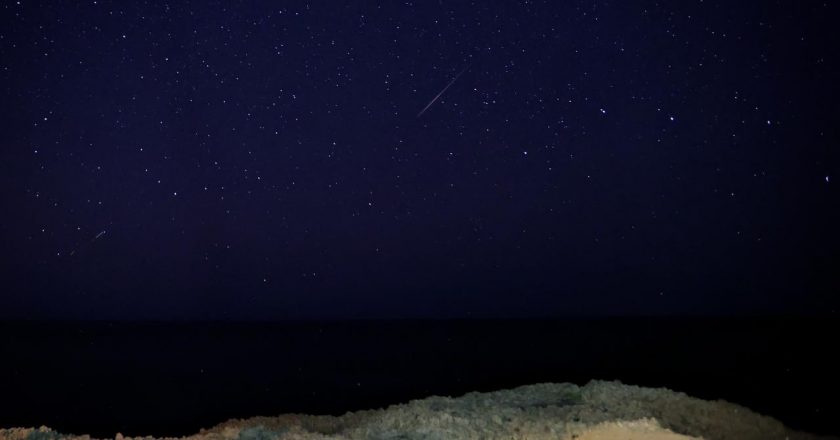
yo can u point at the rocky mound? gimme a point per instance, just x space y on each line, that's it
597 411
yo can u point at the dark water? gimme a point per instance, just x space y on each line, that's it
172 379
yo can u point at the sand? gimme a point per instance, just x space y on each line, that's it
645 429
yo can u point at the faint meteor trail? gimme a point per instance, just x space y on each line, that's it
101 233
442 91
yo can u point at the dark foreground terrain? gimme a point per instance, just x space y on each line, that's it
597 411
167 379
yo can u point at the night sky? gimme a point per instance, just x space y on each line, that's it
273 160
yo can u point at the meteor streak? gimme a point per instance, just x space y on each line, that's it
441 92
101 233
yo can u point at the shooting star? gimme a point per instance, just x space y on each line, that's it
73 252
442 92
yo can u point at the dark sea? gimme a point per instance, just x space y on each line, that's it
155 378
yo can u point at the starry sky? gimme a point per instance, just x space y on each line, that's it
256 160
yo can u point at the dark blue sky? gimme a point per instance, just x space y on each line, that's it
247 160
